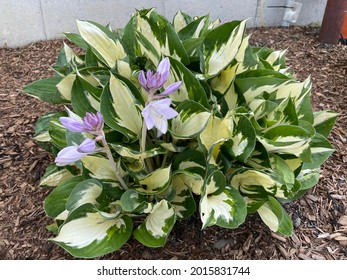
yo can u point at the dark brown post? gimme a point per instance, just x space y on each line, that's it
332 21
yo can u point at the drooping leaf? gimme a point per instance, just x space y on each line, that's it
46 90
183 202
84 192
324 121
275 217
54 176
132 201
87 233
221 205
154 231
55 202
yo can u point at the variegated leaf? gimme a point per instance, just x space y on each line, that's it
241 143
224 79
183 202
288 139
155 182
46 90
307 178
321 149
99 167
324 121
81 101
221 45
254 83
54 176
180 21
154 231
120 108
284 113
191 168
87 233
254 183
65 86
107 49
191 160
55 202
132 201
71 56
135 154
84 192
217 130
191 120
300 94
195 28
221 205
275 217
190 88
57 133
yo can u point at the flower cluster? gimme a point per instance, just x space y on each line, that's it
92 124
157 112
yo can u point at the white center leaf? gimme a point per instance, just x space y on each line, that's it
157 226
221 205
156 220
128 116
83 231
109 50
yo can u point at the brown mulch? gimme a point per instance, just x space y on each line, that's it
320 217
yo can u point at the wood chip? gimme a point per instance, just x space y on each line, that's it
278 237
343 221
304 257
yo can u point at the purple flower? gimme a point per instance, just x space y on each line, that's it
91 123
71 154
156 114
152 82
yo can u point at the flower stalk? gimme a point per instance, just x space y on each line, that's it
113 164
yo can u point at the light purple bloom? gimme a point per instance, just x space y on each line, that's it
170 89
71 154
152 82
156 114
91 123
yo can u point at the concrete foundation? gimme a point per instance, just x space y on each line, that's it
26 21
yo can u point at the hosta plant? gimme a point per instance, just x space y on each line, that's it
167 118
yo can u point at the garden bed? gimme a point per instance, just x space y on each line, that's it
320 216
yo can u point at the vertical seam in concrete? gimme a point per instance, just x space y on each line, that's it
164 7
43 21
256 14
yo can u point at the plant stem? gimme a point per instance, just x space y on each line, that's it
164 159
113 164
143 137
147 161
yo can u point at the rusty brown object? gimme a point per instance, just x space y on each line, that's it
332 22
344 27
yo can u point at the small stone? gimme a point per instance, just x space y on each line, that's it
221 243
297 222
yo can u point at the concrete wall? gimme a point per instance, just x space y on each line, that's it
26 21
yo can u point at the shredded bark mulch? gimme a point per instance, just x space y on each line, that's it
320 217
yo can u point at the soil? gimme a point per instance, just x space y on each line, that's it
320 217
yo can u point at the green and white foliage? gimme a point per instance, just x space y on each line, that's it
245 139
